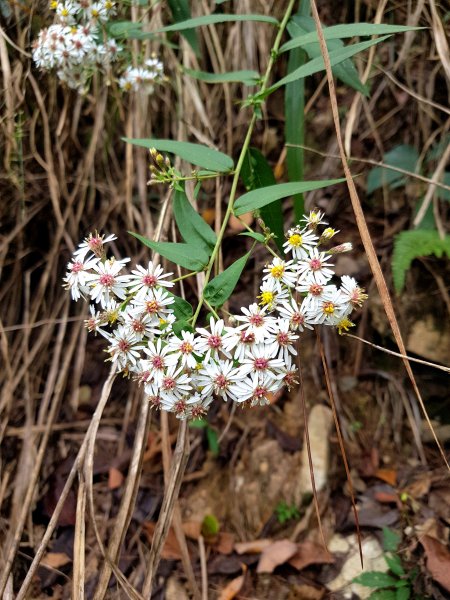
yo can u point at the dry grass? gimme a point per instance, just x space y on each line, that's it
66 172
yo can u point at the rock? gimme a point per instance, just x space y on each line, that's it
319 423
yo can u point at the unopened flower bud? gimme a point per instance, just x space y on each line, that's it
159 159
346 247
328 233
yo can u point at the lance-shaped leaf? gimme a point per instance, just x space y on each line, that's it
193 228
214 19
187 256
256 173
221 287
261 197
197 154
181 308
181 11
339 32
247 77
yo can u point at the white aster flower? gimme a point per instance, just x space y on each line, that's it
259 361
314 218
316 294
255 389
280 271
194 406
351 291
157 359
256 321
329 311
175 384
183 349
316 268
270 295
142 280
78 276
290 310
289 373
123 348
210 343
281 342
143 326
239 339
156 304
108 283
93 243
217 377
300 242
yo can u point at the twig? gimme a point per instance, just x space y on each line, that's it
202 553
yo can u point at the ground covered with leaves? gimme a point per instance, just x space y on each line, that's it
246 524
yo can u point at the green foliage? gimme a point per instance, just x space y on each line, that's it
246 77
346 71
346 31
409 245
256 173
210 526
263 196
181 12
214 19
286 512
221 287
211 434
199 155
187 256
388 587
183 311
193 228
403 157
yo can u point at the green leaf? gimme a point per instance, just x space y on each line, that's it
256 173
221 287
375 579
123 29
403 593
180 326
214 19
193 228
317 64
403 157
247 77
210 526
181 12
256 236
261 197
187 256
199 155
395 564
346 31
213 441
409 245
198 424
383 595
345 71
182 308
391 539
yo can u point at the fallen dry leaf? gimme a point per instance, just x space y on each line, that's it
253 547
308 592
309 553
55 560
115 478
387 475
225 543
234 587
420 487
438 560
171 549
192 529
275 555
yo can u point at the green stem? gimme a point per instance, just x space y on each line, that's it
237 172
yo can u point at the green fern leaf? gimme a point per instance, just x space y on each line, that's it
409 245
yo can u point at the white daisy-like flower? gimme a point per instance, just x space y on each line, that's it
93 243
259 361
183 350
281 342
351 291
255 389
123 348
95 321
329 311
280 271
194 406
289 373
210 343
270 295
78 276
300 242
217 378
316 268
175 384
142 280
143 326
314 219
256 321
239 339
316 294
328 234
66 11
157 359
156 304
107 282
290 310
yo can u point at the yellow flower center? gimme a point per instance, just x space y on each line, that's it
328 308
344 325
296 240
328 233
54 4
277 271
267 298
94 13
108 5
64 12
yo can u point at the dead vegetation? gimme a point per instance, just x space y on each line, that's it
76 439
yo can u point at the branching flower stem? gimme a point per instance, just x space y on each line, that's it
182 449
237 172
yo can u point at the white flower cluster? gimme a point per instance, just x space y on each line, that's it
244 362
77 46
